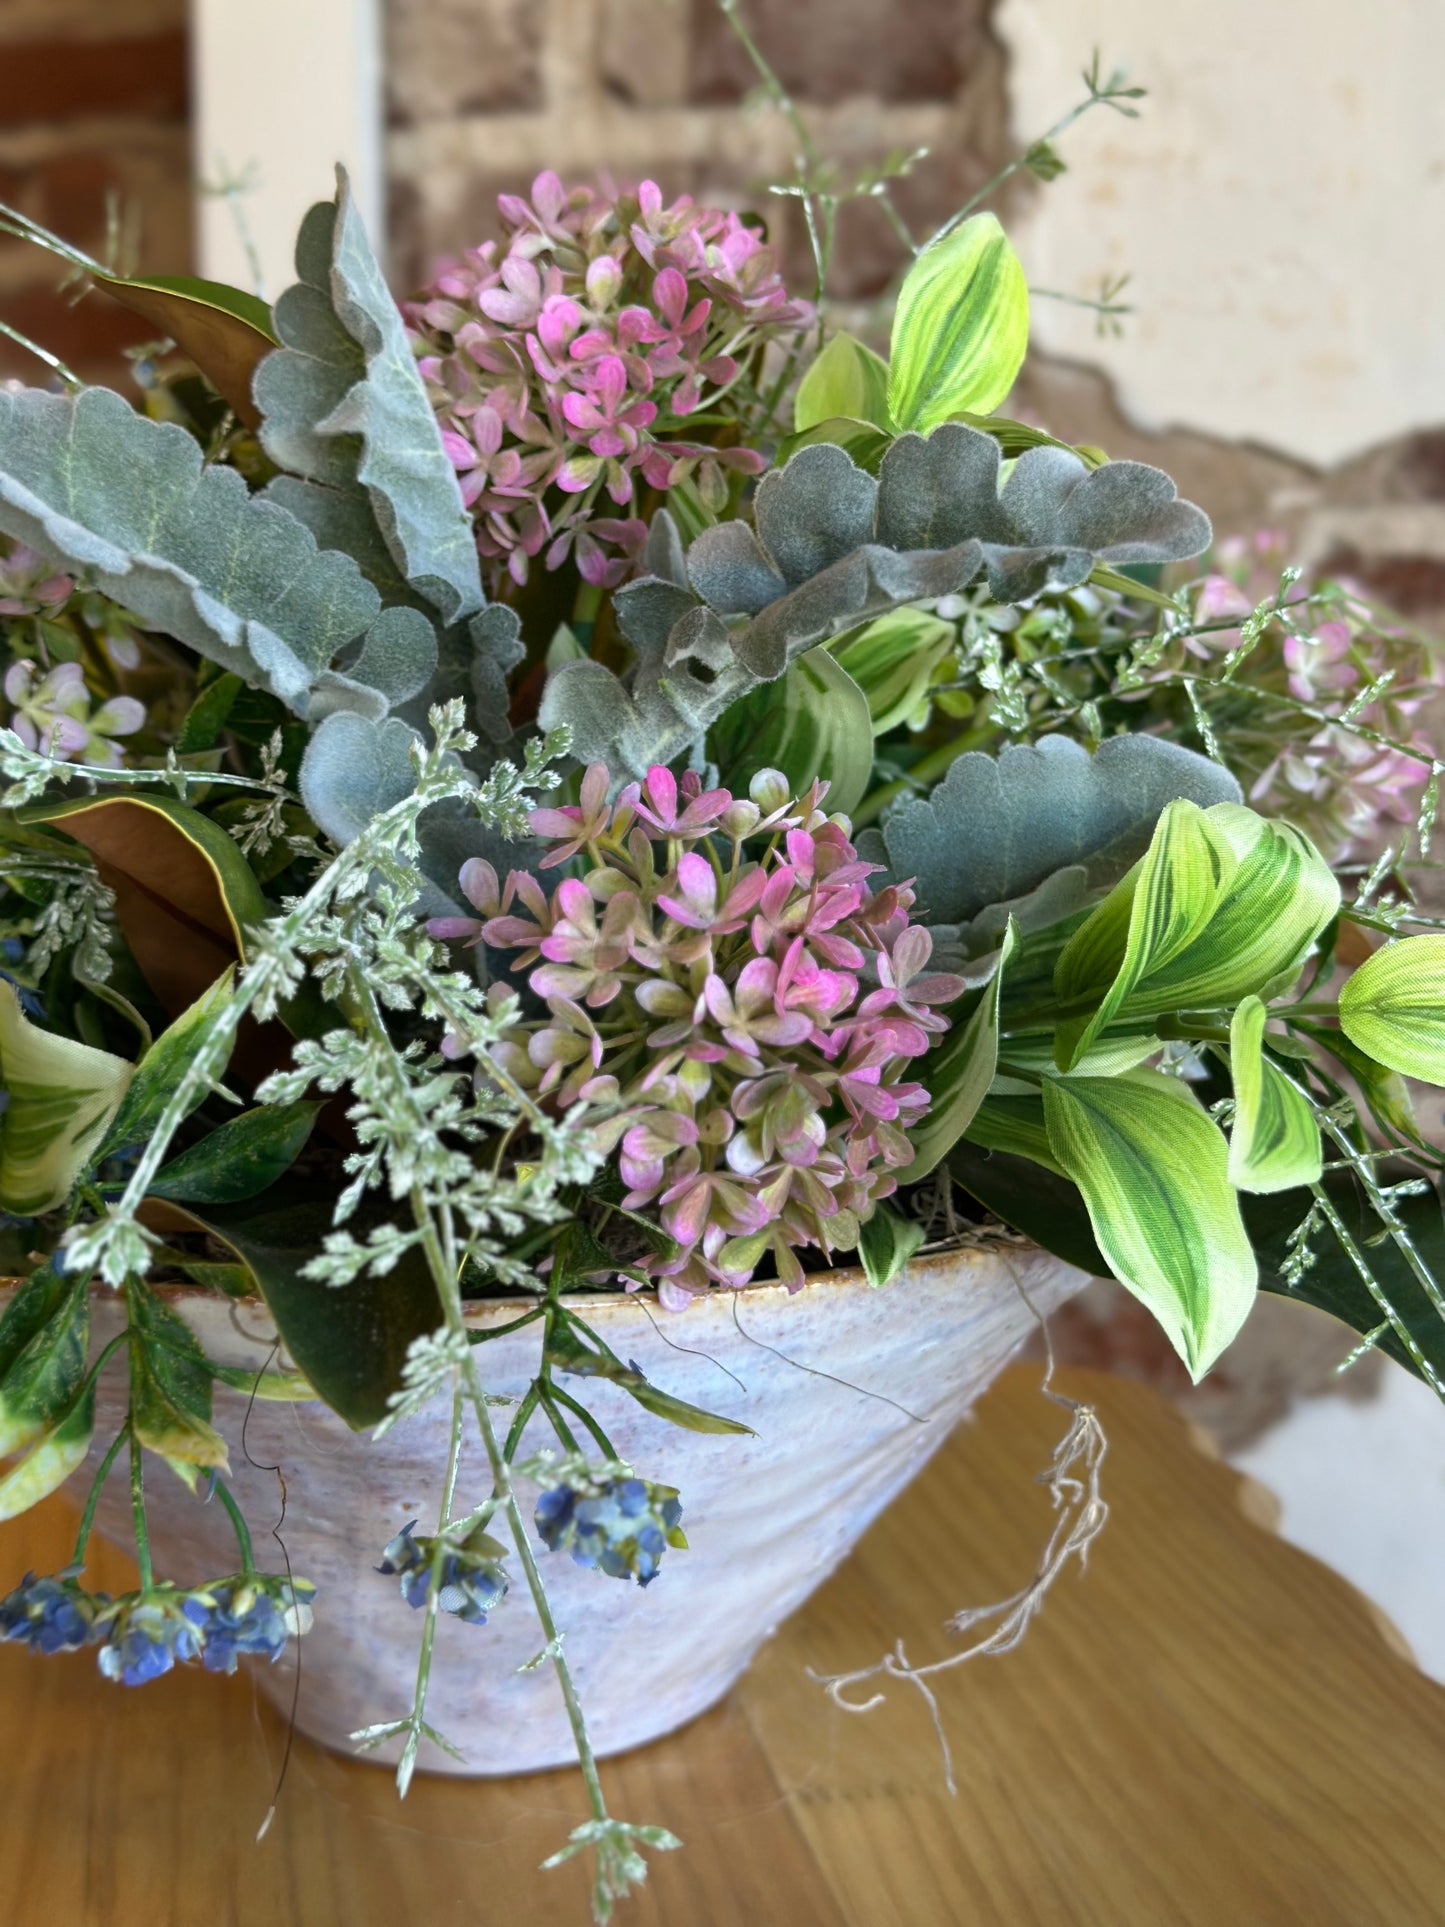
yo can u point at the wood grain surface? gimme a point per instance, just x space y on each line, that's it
1204 1729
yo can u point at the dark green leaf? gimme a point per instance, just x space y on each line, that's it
44 1341
1034 1200
241 1158
161 1070
170 1384
350 1341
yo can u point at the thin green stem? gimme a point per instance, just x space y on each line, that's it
238 1526
97 1485
1372 1284
138 1511
578 1410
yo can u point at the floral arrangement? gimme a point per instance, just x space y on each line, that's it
596 779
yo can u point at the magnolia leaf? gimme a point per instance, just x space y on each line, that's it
1393 1008
44 1342
170 1385
240 1158
1153 1170
184 894
1274 1142
163 1067
997 827
45 1466
886 1242
957 1073
893 661
815 722
571 1347
848 380
349 1341
224 331
960 328
134 507
62 1095
1224 905
345 409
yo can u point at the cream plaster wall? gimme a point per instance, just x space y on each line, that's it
1280 204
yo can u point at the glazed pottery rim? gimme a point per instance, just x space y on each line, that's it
974 1239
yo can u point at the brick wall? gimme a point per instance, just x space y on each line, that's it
481 94
94 111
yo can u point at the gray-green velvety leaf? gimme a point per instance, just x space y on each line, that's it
353 769
345 408
130 502
996 828
833 547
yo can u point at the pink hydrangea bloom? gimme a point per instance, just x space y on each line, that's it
724 985
565 359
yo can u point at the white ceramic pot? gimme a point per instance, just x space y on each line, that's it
767 1518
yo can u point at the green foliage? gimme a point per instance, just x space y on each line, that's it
1153 1170
161 1070
886 1242
957 1073
893 661
44 1337
960 328
814 722
170 1384
572 1346
240 1158
224 331
1393 1008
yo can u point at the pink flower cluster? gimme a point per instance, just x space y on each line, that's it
564 359
747 1024
1339 786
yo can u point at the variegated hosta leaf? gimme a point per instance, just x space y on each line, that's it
1393 1008
847 379
1274 1141
132 505
62 1094
832 547
893 661
1153 1170
886 1242
345 409
957 1074
1224 905
997 826
960 328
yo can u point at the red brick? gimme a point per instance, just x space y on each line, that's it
828 50
452 57
89 337
60 80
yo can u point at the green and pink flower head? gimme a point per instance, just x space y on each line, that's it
733 1005
565 360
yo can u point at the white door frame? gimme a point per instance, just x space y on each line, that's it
282 90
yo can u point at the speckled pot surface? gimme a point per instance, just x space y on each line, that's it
767 1518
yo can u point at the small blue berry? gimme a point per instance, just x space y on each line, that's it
50 1615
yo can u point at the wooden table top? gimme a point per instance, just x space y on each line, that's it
1204 1729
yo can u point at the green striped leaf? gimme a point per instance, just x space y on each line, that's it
812 722
62 1096
893 661
1274 1142
847 379
960 328
958 1072
1223 905
1153 1170
1393 1008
